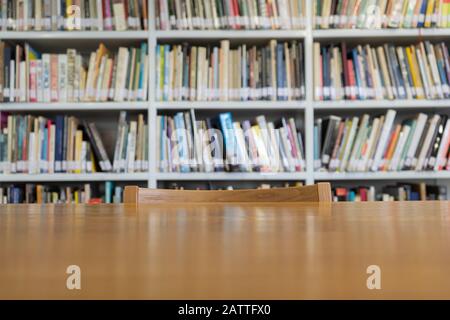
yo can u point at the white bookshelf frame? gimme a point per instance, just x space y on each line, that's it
308 106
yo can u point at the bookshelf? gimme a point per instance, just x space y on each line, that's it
306 108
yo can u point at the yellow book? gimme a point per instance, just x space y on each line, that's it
78 143
161 69
77 200
404 14
445 21
94 167
429 13
414 73
70 15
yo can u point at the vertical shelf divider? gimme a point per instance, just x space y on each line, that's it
309 110
152 183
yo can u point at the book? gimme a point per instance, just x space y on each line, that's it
381 143
100 76
222 143
35 144
229 14
223 73
76 193
366 72
130 151
395 192
73 15
380 14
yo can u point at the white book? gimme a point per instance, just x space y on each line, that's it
46 78
242 155
349 143
360 139
399 149
441 155
383 141
22 92
287 149
39 81
62 77
121 75
427 142
363 164
275 146
99 15
421 121
131 146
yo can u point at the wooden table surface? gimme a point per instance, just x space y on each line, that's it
226 251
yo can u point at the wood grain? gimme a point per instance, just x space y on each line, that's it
320 192
226 251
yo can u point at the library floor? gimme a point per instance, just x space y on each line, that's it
223 251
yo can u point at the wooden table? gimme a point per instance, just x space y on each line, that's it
226 251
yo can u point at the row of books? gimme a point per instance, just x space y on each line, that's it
380 144
376 14
131 149
221 144
54 15
36 144
197 73
27 75
219 186
420 71
39 193
397 192
229 14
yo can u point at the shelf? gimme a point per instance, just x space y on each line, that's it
85 177
74 106
74 35
229 176
402 175
233 105
229 34
380 104
380 33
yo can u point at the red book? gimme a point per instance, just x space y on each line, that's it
95 201
363 194
352 79
107 16
32 86
235 13
346 75
49 136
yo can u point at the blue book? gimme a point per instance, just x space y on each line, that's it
357 73
442 76
42 138
369 81
316 144
59 131
408 70
141 70
229 139
397 72
162 143
45 150
184 94
351 196
280 75
423 10
181 135
109 186
166 73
